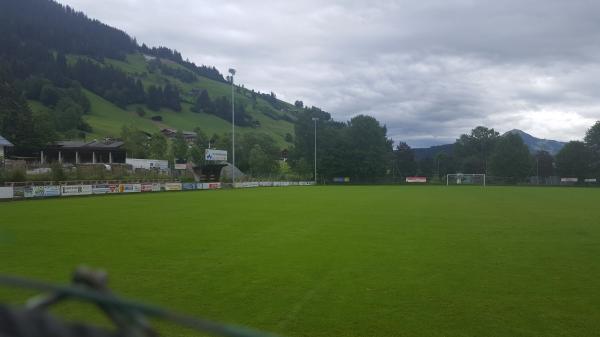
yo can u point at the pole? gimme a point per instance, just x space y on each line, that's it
232 72
315 120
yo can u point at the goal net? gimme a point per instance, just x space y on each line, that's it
465 179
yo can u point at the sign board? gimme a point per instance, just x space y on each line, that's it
209 186
215 155
249 184
173 187
37 191
69 190
341 179
416 179
265 184
180 166
101 189
130 188
188 186
148 164
590 180
51 191
568 180
18 192
147 187
6 192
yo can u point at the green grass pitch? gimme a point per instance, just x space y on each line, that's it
331 261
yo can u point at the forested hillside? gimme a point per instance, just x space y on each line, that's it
76 77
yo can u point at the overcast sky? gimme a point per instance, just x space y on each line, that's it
429 70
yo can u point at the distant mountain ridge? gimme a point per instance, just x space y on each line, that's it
538 144
533 143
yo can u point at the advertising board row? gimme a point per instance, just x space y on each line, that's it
19 192
251 184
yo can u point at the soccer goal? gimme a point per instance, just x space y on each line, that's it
465 179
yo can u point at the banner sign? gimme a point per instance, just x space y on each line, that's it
341 179
265 184
51 191
33 191
209 186
18 192
6 192
147 187
156 187
68 190
306 183
28 192
101 189
173 187
188 186
249 184
180 166
130 188
416 179
568 180
590 180
215 155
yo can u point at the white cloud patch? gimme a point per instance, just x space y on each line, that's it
429 70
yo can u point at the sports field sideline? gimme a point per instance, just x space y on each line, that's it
331 261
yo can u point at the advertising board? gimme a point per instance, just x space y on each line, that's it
416 179
173 187
70 190
215 155
6 192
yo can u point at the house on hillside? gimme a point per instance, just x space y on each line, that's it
189 136
80 152
4 144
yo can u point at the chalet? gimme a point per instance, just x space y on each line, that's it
4 144
189 136
80 152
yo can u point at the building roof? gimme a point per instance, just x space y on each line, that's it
5 142
185 133
93 145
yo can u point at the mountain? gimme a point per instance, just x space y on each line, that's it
537 144
83 78
431 152
534 144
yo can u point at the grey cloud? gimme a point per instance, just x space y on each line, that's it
429 70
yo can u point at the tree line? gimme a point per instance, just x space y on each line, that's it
256 153
485 151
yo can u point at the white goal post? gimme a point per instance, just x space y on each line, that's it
465 179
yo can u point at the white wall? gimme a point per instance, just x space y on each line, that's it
147 163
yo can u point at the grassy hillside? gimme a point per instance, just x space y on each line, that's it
106 118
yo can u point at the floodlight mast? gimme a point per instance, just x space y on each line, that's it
232 72
315 119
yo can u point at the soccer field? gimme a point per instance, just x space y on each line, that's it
331 261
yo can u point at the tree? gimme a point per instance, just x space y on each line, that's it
445 164
544 164
203 103
197 154
135 142
17 122
426 167
368 146
258 161
299 104
474 150
180 146
404 160
511 158
574 160
592 140
158 146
